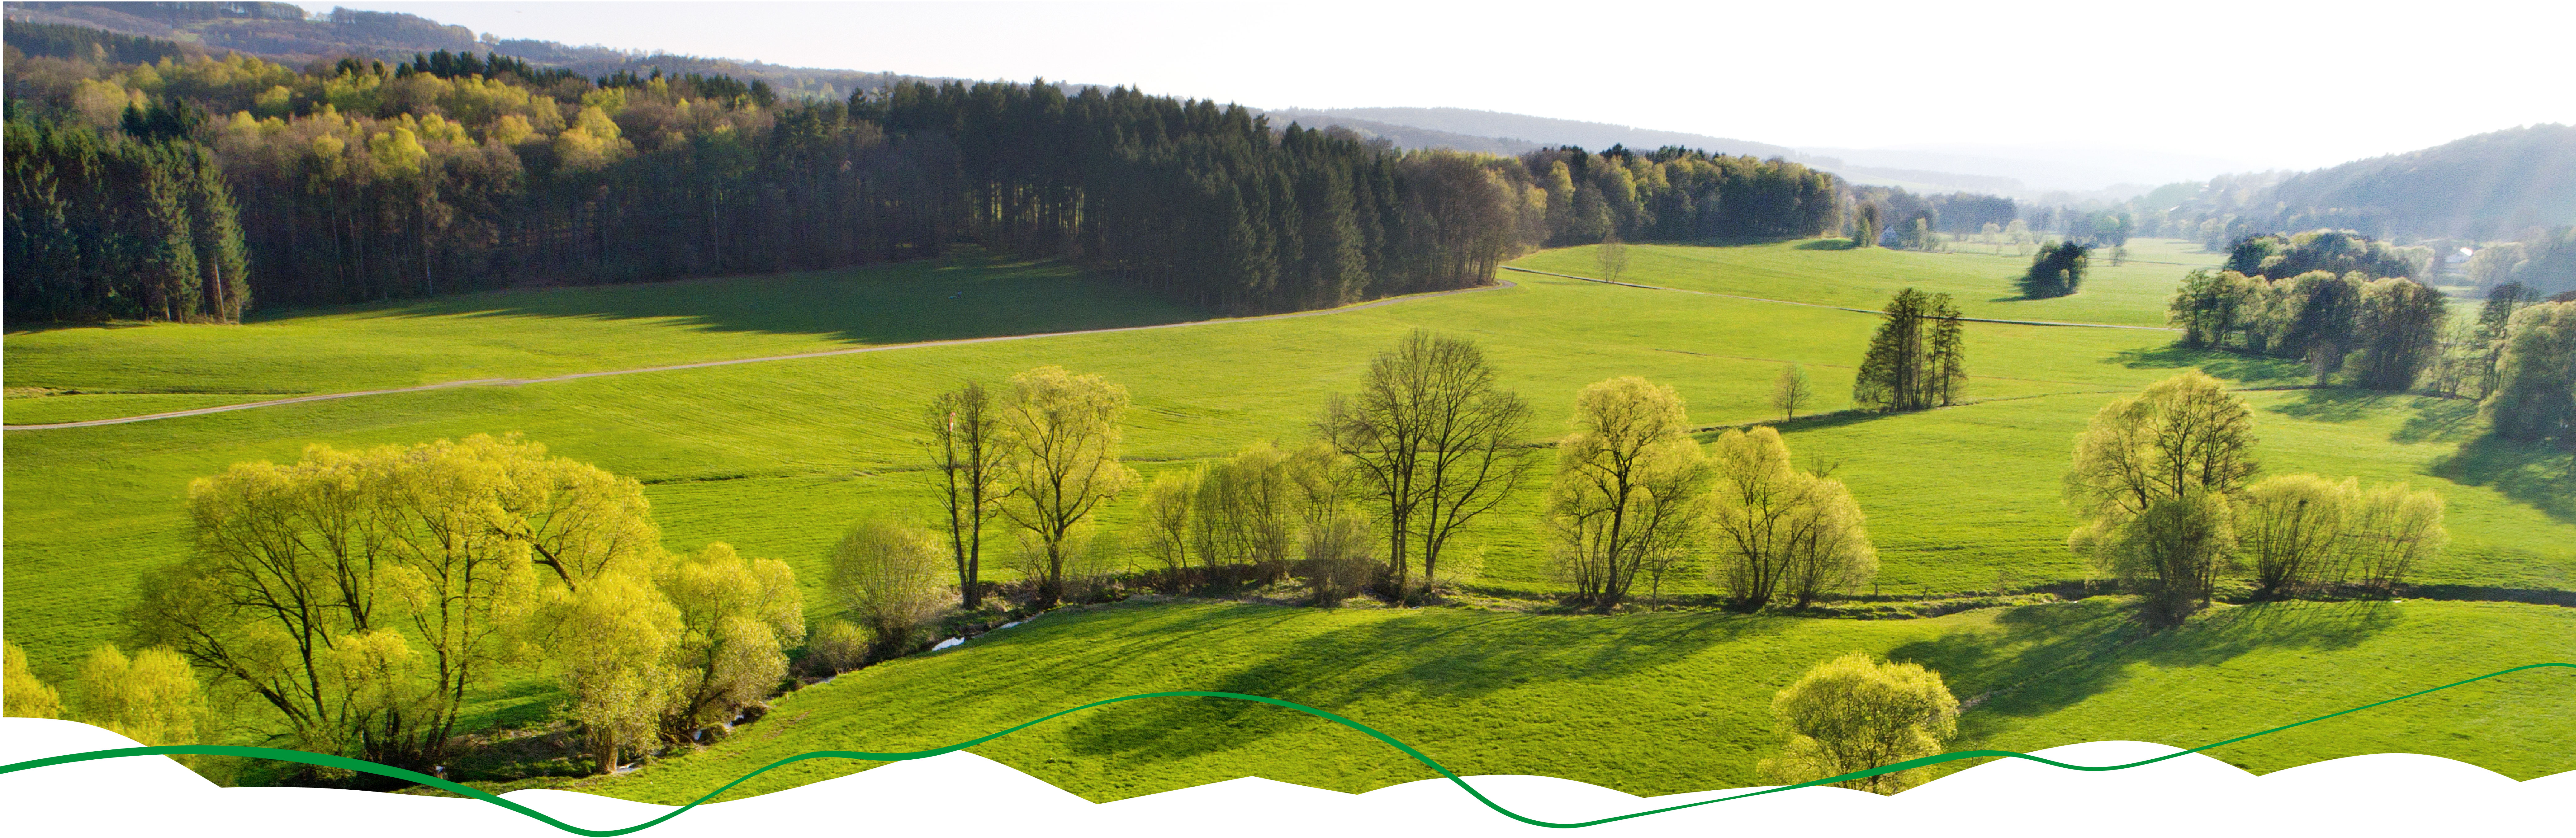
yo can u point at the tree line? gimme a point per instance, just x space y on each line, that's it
122 224
359 181
1677 194
2339 301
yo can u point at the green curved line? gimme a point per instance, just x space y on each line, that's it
333 761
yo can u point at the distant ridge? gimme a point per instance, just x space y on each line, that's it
1510 133
282 32
1541 131
2487 186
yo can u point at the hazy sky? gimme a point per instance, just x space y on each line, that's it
2294 85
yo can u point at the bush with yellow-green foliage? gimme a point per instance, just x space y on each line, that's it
890 579
24 695
1853 714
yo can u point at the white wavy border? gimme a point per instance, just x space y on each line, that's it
964 794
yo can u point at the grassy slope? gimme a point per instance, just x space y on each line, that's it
1655 703
777 457
715 440
1828 271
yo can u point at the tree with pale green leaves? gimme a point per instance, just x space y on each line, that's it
151 697
2290 530
22 694
1779 533
738 615
888 579
1060 436
1629 490
1791 391
611 640
1853 714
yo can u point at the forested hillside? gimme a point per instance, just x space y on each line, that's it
282 32
2483 187
360 180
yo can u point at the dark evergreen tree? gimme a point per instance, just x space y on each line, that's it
1916 360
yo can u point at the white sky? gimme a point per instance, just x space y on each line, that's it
2292 85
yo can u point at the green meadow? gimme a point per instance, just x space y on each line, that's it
531 333
1830 272
1651 704
779 457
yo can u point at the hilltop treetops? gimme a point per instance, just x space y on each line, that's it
359 181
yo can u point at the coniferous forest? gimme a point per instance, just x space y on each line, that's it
185 188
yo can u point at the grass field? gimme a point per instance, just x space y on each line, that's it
1828 271
778 458
533 333
1654 703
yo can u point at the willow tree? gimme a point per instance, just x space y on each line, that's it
737 616
1775 530
1629 489
2389 531
151 697
1060 436
1245 512
362 597
1167 521
1434 443
611 640
2290 529
2151 479
22 694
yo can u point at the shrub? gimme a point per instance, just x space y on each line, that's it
1853 714
889 577
837 646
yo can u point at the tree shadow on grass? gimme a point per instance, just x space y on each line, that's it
2438 419
2333 405
966 294
1431 659
1827 244
2534 474
2040 659
1812 422
2249 370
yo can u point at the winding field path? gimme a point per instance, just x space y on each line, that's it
512 382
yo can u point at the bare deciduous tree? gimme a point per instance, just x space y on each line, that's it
966 451
1434 444
1791 391
1611 256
